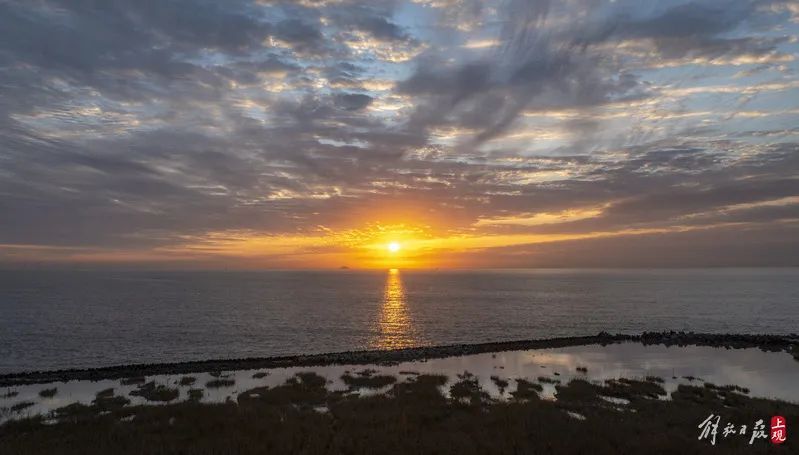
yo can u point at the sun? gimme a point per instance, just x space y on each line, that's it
393 247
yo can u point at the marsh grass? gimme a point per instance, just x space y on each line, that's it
368 382
133 380
105 393
48 393
727 396
577 391
187 380
414 417
103 403
632 389
9 394
21 405
260 375
424 386
526 390
467 389
196 394
501 384
305 389
107 403
219 383
546 380
156 392
727 388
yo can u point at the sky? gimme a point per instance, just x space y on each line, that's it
314 133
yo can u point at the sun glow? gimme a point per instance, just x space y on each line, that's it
373 246
396 324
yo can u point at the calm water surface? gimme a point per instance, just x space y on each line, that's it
765 374
64 319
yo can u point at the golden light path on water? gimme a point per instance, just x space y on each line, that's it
396 329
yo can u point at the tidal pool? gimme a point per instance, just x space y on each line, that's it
765 374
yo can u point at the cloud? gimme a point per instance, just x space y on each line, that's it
353 101
371 19
134 130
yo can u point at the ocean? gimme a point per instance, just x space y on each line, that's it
81 319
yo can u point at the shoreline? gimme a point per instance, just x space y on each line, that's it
480 398
772 343
409 412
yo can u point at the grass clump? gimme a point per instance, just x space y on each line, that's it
105 393
577 392
109 402
368 382
467 389
133 380
187 380
526 390
501 384
727 388
730 395
156 392
305 389
9 394
260 375
632 389
104 403
74 412
698 395
48 393
424 387
21 405
547 380
196 394
726 396
582 370
218 383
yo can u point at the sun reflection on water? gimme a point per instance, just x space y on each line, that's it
396 330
